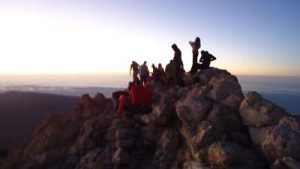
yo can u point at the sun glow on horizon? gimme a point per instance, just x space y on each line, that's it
36 41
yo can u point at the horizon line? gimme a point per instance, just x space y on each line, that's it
116 74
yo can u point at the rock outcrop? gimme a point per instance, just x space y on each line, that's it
206 124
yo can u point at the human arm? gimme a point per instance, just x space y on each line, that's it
201 59
191 43
130 69
200 43
212 57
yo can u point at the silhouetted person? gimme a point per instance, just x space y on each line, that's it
195 50
206 58
147 95
155 73
136 93
169 71
178 64
161 73
135 67
144 72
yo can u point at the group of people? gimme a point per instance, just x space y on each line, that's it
138 96
141 73
205 59
139 92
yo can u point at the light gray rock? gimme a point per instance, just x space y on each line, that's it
192 109
194 165
286 163
122 157
284 139
225 154
259 112
258 134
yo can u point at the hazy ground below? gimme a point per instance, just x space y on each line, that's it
22 112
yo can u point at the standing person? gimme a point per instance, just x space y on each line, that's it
195 50
160 68
206 58
161 73
136 94
169 71
178 64
155 73
144 72
147 96
135 67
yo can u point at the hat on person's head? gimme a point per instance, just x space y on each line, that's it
174 46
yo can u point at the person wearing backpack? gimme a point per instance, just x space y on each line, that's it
205 59
178 66
144 72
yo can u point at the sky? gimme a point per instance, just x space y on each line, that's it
249 37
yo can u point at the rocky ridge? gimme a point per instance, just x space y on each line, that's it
209 123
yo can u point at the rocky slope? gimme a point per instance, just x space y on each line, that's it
206 124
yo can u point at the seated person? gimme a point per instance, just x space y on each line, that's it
206 58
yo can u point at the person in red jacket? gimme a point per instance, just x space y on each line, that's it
136 94
147 94
122 106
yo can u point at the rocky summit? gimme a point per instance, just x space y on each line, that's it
206 124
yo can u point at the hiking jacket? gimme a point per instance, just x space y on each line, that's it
136 94
147 95
144 71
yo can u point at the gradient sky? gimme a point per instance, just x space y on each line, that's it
250 37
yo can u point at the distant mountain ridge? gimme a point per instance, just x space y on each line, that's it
21 112
60 90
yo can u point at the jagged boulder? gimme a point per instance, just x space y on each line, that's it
258 134
284 139
226 154
194 165
166 148
169 141
193 109
92 133
223 87
286 163
199 143
122 157
233 102
157 89
259 112
166 108
224 119
150 134
97 159
54 134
